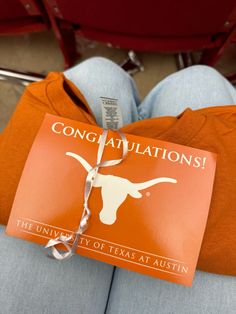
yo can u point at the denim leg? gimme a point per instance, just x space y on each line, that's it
99 77
32 283
195 87
133 293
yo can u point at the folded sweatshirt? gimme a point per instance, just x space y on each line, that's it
212 129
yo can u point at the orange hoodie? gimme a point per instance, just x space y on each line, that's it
212 129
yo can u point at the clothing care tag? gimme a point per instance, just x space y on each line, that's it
111 113
148 213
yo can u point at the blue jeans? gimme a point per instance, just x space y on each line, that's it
32 283
195 87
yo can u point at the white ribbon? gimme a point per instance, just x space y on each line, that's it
65 240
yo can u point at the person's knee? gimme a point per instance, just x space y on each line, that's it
104 69
98 62
195 87
92 65
196 77
195 72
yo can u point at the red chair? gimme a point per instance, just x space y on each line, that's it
21 16
18 17
164 26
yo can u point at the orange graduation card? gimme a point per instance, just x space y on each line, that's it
148 213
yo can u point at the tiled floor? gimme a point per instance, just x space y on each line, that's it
39 52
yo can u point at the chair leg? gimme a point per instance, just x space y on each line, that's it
67 43
232 78
132 64
184 60
65 36
211 56
23 78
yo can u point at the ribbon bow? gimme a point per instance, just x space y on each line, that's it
65 240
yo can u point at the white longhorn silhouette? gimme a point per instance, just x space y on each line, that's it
115 189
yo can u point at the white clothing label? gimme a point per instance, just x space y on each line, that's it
111 113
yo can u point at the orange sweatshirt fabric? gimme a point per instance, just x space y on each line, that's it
212 129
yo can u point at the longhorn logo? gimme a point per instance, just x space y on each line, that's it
114 189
